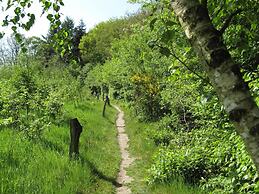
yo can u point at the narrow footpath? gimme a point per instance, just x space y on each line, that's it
123 140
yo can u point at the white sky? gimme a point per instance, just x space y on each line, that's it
90 11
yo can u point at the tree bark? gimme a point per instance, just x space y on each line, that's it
222 71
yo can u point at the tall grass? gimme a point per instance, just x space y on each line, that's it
44 166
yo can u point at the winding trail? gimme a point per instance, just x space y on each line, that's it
123 140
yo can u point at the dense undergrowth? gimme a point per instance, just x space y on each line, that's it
198 161
155 71
142 148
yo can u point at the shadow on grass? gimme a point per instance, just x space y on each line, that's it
83 107
50 145
107 118
9 160
98 173
109 121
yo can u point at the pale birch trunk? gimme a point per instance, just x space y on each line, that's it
223 72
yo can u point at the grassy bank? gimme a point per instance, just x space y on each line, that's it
44 166
142 148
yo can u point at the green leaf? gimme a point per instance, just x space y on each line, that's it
65 33
61 42
5 21
14 28
50 17
23 4
2 34
63 52
152 44
253 26
47 5
152 24
15 20
24 50
57 16
167 36
18 37
165 51
61 2
9 4
170 23
58 23
17 10
56 7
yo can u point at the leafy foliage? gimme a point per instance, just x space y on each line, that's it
95 45
148 63
27 105
156 72
67 48
23 18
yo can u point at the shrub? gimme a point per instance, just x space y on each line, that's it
213 158
26 105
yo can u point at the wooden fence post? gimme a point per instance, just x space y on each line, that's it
107 101
75 131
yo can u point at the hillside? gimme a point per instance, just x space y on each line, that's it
167 98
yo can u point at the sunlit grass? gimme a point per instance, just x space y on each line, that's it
44 166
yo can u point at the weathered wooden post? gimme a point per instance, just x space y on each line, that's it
107 101
75 131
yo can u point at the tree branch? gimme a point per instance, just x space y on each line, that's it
204 3
228 21
185 65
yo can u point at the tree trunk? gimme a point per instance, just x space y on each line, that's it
75 131
222 71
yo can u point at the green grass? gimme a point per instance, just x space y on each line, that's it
142 148
44 166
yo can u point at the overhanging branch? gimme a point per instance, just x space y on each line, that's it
228 21
185 65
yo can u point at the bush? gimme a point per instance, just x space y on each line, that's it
26 105
213 158
197 142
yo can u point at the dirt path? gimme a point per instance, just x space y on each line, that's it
123 140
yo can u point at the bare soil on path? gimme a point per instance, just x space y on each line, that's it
123 179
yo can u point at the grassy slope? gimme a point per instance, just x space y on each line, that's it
142 148
44 167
